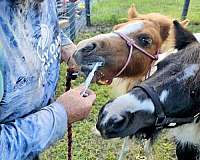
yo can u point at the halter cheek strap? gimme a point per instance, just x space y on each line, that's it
162 121
161 118
127 62
131 43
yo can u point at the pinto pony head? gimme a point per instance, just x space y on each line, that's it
176 83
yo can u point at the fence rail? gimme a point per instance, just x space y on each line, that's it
73 16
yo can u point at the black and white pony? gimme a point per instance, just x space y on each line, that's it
170 98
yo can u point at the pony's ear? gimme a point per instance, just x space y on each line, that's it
185 22
132 12
183 37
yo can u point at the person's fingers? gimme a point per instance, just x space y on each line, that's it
89 95
89 92
91 98
82 88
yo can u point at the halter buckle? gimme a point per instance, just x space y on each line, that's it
160 122
197 117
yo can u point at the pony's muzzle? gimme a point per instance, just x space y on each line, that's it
113 125
87 55
87 50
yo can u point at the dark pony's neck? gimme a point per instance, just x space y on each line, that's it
188 54
186 57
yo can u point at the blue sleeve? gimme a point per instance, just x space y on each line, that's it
28 136
65 39
1 86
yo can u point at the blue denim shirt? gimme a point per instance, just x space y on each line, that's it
29 64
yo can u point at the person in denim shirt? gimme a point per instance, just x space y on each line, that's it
30 47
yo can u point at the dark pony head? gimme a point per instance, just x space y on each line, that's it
176 81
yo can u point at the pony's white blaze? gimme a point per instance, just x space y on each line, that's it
129 103
163 95
189 72
131 28
127 29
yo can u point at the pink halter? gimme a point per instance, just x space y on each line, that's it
131 43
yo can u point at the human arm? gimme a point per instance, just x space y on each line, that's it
76 106
28 136
1 86
67 50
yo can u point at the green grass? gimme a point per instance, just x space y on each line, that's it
114 11
88 146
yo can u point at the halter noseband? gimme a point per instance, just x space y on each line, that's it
162 121
131 43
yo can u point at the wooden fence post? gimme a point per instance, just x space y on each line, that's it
185 9
87 7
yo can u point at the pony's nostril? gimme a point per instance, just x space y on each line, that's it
94 45
119 123
89 48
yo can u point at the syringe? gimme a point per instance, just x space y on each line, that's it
90 77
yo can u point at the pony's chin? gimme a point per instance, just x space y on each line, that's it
140 134
111 135
104 82
145 133
99 77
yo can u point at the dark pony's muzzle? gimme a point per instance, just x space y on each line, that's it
110 127
113 123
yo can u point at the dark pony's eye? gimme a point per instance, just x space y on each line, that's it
145 40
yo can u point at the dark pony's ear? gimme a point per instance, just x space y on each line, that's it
183 37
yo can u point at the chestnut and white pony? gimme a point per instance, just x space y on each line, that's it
152 32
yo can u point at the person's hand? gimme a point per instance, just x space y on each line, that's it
66 54
76 106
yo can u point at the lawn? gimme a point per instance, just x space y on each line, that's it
87 146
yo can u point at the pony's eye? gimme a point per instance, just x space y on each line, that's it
145 41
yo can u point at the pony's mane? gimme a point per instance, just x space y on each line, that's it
184 57
189 50
191 55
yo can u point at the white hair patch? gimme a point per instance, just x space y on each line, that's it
189 72
129 103
131 28
163 95
126 29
